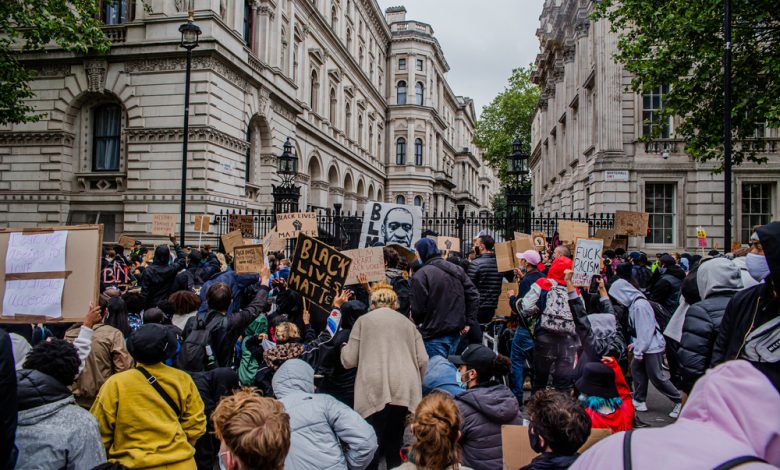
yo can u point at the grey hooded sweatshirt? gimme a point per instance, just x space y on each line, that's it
648 339
320 423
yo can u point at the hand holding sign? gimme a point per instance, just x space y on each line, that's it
587 260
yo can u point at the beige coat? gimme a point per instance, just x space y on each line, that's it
390 357
107 357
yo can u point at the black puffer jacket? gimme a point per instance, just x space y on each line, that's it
443 298
666 290
157 279
484 410
8 409
38 389
483 272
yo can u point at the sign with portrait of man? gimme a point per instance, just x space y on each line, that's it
391 224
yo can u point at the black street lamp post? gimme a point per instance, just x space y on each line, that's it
286 195
518 190
727 125
189 40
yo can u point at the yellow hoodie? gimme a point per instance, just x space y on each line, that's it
139 429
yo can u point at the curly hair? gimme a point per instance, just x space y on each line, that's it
560 420
286 332
383 295
56 358
184 302
436 424
255 429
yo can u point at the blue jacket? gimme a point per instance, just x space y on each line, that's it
440 375
237 284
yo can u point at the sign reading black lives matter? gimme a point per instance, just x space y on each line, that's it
391 224
318 270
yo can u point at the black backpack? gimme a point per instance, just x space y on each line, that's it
402 290
197 351
662 316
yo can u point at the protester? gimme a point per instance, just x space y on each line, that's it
559 426
648 346
483 272
604 393
485 406
718 280
444 301
8 411
436 428
53 431
390 357
751 322
145 425
254 432
740 259
250 363
441 376
666 288
185 306
212 385
158 277
21 348
397 278
338 381
202 265
729 415
135 307
325 432
640 272
108 356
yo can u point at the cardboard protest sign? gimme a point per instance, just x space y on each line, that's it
272 242
633 224
290 224
516 444
248 259
368 261
45 275
231 240
587 260
523 242
503 309
406 253
606 235
448 244
114 274
244 223
569 231
620 241
540 241
202 223
163 224
126 242
318 270
505 256
391 224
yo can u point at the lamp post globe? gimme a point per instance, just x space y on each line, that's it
190 35
286 194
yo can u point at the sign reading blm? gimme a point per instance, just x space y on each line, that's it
318 270
391 224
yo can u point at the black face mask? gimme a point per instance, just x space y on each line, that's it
535 440
477 251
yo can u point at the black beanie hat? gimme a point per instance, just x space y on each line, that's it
152 343
623 271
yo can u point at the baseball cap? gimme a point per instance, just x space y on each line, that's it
531 256
475 356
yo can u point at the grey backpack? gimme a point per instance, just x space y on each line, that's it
557 317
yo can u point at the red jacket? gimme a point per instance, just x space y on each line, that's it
621 419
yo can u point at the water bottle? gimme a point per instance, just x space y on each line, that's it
211 361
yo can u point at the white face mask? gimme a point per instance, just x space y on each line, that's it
757 266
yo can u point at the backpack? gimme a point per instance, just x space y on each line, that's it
556 317
607 337
248 365
401 287
197 353
763 344
661 314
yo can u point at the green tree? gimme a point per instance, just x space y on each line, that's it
507 117
680 43
32 26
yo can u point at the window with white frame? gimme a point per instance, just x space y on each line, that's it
420 64
400 90
400 151
659 203
401 64
106 137
756 205
653 120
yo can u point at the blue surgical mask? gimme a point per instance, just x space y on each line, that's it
459 380
222 463
757 266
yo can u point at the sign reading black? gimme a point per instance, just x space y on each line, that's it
318 270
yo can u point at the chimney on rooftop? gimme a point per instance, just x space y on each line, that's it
395 14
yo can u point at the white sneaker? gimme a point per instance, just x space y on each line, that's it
640 405
676 410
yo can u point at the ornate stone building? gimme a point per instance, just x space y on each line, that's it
325 73
586 154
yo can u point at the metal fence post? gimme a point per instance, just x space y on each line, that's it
460 223
337 224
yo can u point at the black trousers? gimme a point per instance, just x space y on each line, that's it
554 357
389 426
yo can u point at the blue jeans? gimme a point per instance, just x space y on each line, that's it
442 346
522 348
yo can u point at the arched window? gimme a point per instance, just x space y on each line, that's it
106 132
333 104
418 92
400 151
360 130
418 201
400 90
348 121
400 199
315 90
418 149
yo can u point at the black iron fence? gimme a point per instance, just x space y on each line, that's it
342 229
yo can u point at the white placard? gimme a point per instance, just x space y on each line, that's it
587 260
391 224
36 253
40 297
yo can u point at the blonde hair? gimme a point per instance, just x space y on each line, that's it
255 429
287 331
383 295
436 426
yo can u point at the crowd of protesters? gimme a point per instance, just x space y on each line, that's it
186 364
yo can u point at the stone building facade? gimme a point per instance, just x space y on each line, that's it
323 72
587 158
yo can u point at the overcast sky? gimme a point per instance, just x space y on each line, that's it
483 40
